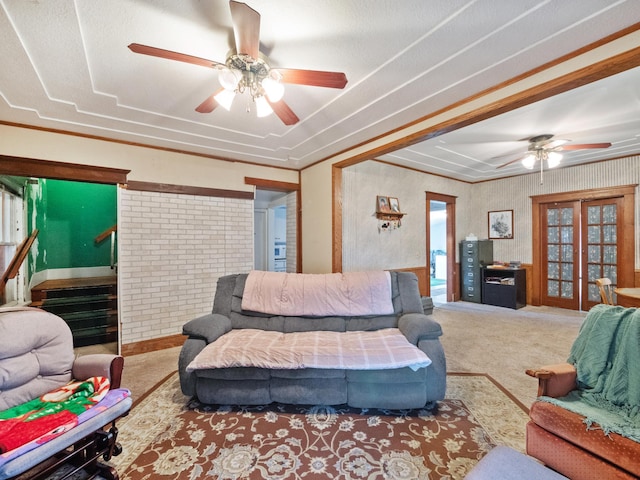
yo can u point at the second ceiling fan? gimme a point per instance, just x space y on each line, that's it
543 149
247 70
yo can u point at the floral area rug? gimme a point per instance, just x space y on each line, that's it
166 436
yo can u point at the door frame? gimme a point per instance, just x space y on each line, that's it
285 187
627 192
452 274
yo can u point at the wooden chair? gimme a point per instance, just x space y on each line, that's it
606 290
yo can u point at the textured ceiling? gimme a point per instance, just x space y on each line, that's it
66 66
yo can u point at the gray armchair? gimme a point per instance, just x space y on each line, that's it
36 357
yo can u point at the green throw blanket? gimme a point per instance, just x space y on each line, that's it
606 355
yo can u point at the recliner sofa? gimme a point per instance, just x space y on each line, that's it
397 388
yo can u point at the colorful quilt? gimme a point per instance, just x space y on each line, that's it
51 414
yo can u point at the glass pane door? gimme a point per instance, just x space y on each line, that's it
601 224
560 253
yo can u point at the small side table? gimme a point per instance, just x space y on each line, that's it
628 297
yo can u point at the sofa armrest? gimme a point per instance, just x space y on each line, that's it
208 327
99 365
417 326
555 380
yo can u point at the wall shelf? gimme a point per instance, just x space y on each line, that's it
389 216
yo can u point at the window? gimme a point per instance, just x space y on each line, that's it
10 237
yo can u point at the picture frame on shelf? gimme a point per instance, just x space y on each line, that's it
382 204
394 205
501 225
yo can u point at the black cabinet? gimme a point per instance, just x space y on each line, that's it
474 254
504 287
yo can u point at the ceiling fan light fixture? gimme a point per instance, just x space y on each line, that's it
273 89
263 109
529 160
229 78
553 159
225 98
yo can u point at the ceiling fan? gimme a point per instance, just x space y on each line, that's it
543 149
248 70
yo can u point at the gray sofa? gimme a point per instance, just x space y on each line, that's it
399 388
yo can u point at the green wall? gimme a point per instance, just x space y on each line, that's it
69 215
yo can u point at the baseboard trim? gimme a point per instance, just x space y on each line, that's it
146 346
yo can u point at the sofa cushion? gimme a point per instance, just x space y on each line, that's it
369 324
330 391
324 324
317 373
235 373
240 320
570 426
395 375
569 459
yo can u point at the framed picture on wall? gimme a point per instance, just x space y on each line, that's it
382 204
394 205
501 224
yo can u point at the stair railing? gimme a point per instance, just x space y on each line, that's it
109 233
16 262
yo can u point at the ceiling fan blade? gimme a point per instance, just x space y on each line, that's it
169 55
209 104
246 29
554 144
512 161
315 78
282 110
584 146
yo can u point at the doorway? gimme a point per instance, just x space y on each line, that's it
441 247
275 231
581 240
70 270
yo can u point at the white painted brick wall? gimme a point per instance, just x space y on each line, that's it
172 249
292 244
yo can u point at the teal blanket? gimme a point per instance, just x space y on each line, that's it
606 355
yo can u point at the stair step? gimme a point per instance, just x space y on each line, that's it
88 305
71 287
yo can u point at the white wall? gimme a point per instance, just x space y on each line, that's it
364 246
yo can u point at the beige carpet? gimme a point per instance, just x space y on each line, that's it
166 436
504 342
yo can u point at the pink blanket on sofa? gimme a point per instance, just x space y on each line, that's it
380 349
321 295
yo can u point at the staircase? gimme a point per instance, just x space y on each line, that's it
88 305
